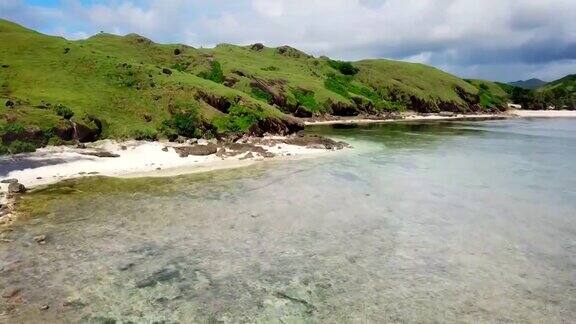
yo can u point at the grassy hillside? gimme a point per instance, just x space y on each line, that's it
112 86
559 94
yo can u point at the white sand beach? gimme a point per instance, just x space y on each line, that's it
406 117
132 159
543 113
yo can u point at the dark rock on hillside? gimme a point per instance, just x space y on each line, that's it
274 88
65 130
230 81
167 71
291 51
343 109
281 126
257 47
88 130
239 73
177 51
218 102
31 134
9 103
199 150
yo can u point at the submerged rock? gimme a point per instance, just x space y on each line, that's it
317 142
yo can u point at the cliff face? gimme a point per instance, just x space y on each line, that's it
130 87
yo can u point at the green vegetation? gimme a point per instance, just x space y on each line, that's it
345 68
306 99
489 93
239 120
63 111
559 94
215 73
184 122
261 94
131 87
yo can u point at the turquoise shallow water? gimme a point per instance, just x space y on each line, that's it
463 221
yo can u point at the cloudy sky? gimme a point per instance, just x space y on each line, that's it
502 40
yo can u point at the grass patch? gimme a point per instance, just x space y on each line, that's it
261 95
306 99
239 119
184 122
215 74
343 67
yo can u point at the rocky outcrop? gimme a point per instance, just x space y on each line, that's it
291 51
198 150
317 142
223 104
309 141
30 134
272 87
87 129
274 125
343 109
64 130
257 47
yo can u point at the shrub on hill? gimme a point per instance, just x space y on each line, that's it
215 74
239 119
183 122
345 68
63 111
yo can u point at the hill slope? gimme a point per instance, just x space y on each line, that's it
108 86
559 94
528 84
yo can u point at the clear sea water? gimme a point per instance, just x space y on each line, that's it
420 222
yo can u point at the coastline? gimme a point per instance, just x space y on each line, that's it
404 118
132 159
543 113
438 117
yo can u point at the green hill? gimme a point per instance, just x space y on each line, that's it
112 86
559 94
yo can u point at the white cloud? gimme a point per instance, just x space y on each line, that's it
462 35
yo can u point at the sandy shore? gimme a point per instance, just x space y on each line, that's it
408 117
543 113
133 159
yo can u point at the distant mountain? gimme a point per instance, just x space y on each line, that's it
528 84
